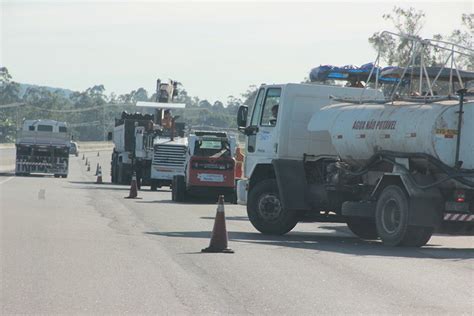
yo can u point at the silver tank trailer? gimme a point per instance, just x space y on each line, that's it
357 131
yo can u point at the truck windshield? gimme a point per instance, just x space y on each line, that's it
257 108
210 144
45 128
210 148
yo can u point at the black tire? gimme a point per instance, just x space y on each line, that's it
364 228
178 190
231 198
153 186
391 219
120 174
113 172
173 190
265 210
417 236
64 176
56 175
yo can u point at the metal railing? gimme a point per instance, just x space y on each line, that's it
419 49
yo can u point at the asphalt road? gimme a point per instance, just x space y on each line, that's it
72 246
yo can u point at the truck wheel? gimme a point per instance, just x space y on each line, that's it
153 186
120 174
178 190
363 228
113 176
231 198
265 210
56 175
173 189
418 236
391 219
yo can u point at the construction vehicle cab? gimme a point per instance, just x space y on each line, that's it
285 136
210 167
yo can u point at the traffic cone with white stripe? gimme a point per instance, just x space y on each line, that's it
87 162
83 156
98 154
97 169
219 232
133 188
99 176
89 166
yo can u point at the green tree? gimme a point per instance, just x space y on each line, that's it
462 36
140 95
394 50
398 51
204 104
9 116
218 107
9 90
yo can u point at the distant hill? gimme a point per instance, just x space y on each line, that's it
25 86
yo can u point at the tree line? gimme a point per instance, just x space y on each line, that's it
91 113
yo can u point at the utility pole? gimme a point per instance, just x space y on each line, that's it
104 123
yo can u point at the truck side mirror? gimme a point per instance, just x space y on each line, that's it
109 136
242 116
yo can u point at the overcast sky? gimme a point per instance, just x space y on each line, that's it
214 49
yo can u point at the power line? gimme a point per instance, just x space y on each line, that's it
85 124
101 107
11 105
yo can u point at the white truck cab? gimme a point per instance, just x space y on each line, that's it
285 136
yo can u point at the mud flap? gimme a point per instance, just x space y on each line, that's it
425 205
292 185
425 211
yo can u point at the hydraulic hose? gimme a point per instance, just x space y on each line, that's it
459 175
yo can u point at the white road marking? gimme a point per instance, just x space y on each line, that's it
6 180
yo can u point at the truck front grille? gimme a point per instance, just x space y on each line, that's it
169 156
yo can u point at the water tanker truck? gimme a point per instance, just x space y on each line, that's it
397 169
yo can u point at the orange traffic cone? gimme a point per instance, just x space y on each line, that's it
87 161
219 232
83 157
99 176
133 188
88 167
97 169
98 154
239 160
